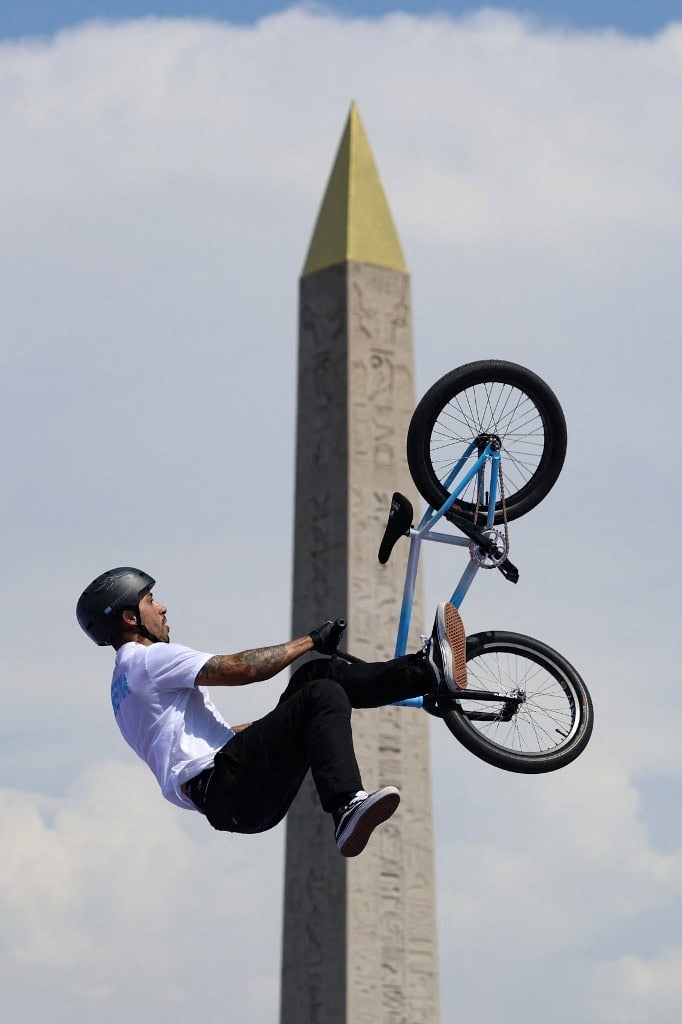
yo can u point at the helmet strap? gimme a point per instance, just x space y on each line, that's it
142 630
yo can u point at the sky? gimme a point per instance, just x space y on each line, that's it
44 17
159 185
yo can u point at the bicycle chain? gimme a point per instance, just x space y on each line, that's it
504 510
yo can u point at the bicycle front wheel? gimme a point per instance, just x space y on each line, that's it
482 401
546 720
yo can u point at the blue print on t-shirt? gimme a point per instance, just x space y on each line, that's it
119 691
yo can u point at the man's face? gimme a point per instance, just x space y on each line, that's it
153 617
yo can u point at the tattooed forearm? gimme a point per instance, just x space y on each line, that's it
266 659
251 666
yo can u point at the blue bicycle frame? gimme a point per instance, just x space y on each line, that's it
425 532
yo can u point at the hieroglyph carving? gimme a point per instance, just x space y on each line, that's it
359 936
392 949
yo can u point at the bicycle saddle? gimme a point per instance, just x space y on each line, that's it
398 525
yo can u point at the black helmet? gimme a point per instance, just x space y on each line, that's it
99 604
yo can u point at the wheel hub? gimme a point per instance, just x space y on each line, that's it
515 699
483 440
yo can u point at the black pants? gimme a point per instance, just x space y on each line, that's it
258 773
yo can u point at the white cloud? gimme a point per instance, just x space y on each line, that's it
159 186
633 988
103 890
578 834
538 880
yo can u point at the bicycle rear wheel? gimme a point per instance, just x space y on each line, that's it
549 722
489 399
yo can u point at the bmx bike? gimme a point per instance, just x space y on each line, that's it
485 445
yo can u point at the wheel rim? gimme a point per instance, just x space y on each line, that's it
490 408
545 722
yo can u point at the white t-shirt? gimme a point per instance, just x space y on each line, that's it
167 720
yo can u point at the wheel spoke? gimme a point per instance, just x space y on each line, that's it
494 408
546 717
489 399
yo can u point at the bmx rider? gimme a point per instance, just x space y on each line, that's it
243 778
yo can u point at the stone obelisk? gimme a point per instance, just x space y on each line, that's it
359 936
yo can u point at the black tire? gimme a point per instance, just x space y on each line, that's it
488 398
547 731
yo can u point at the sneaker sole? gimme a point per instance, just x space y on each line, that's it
453 628
380 808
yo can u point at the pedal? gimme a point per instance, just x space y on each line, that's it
398 525
509 571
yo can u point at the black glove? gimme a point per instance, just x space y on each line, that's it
326 637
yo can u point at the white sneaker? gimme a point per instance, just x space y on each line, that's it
357 820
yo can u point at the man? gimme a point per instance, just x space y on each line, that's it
243 778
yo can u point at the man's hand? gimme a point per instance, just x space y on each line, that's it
326 637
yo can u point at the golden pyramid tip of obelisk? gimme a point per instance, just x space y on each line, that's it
354 222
